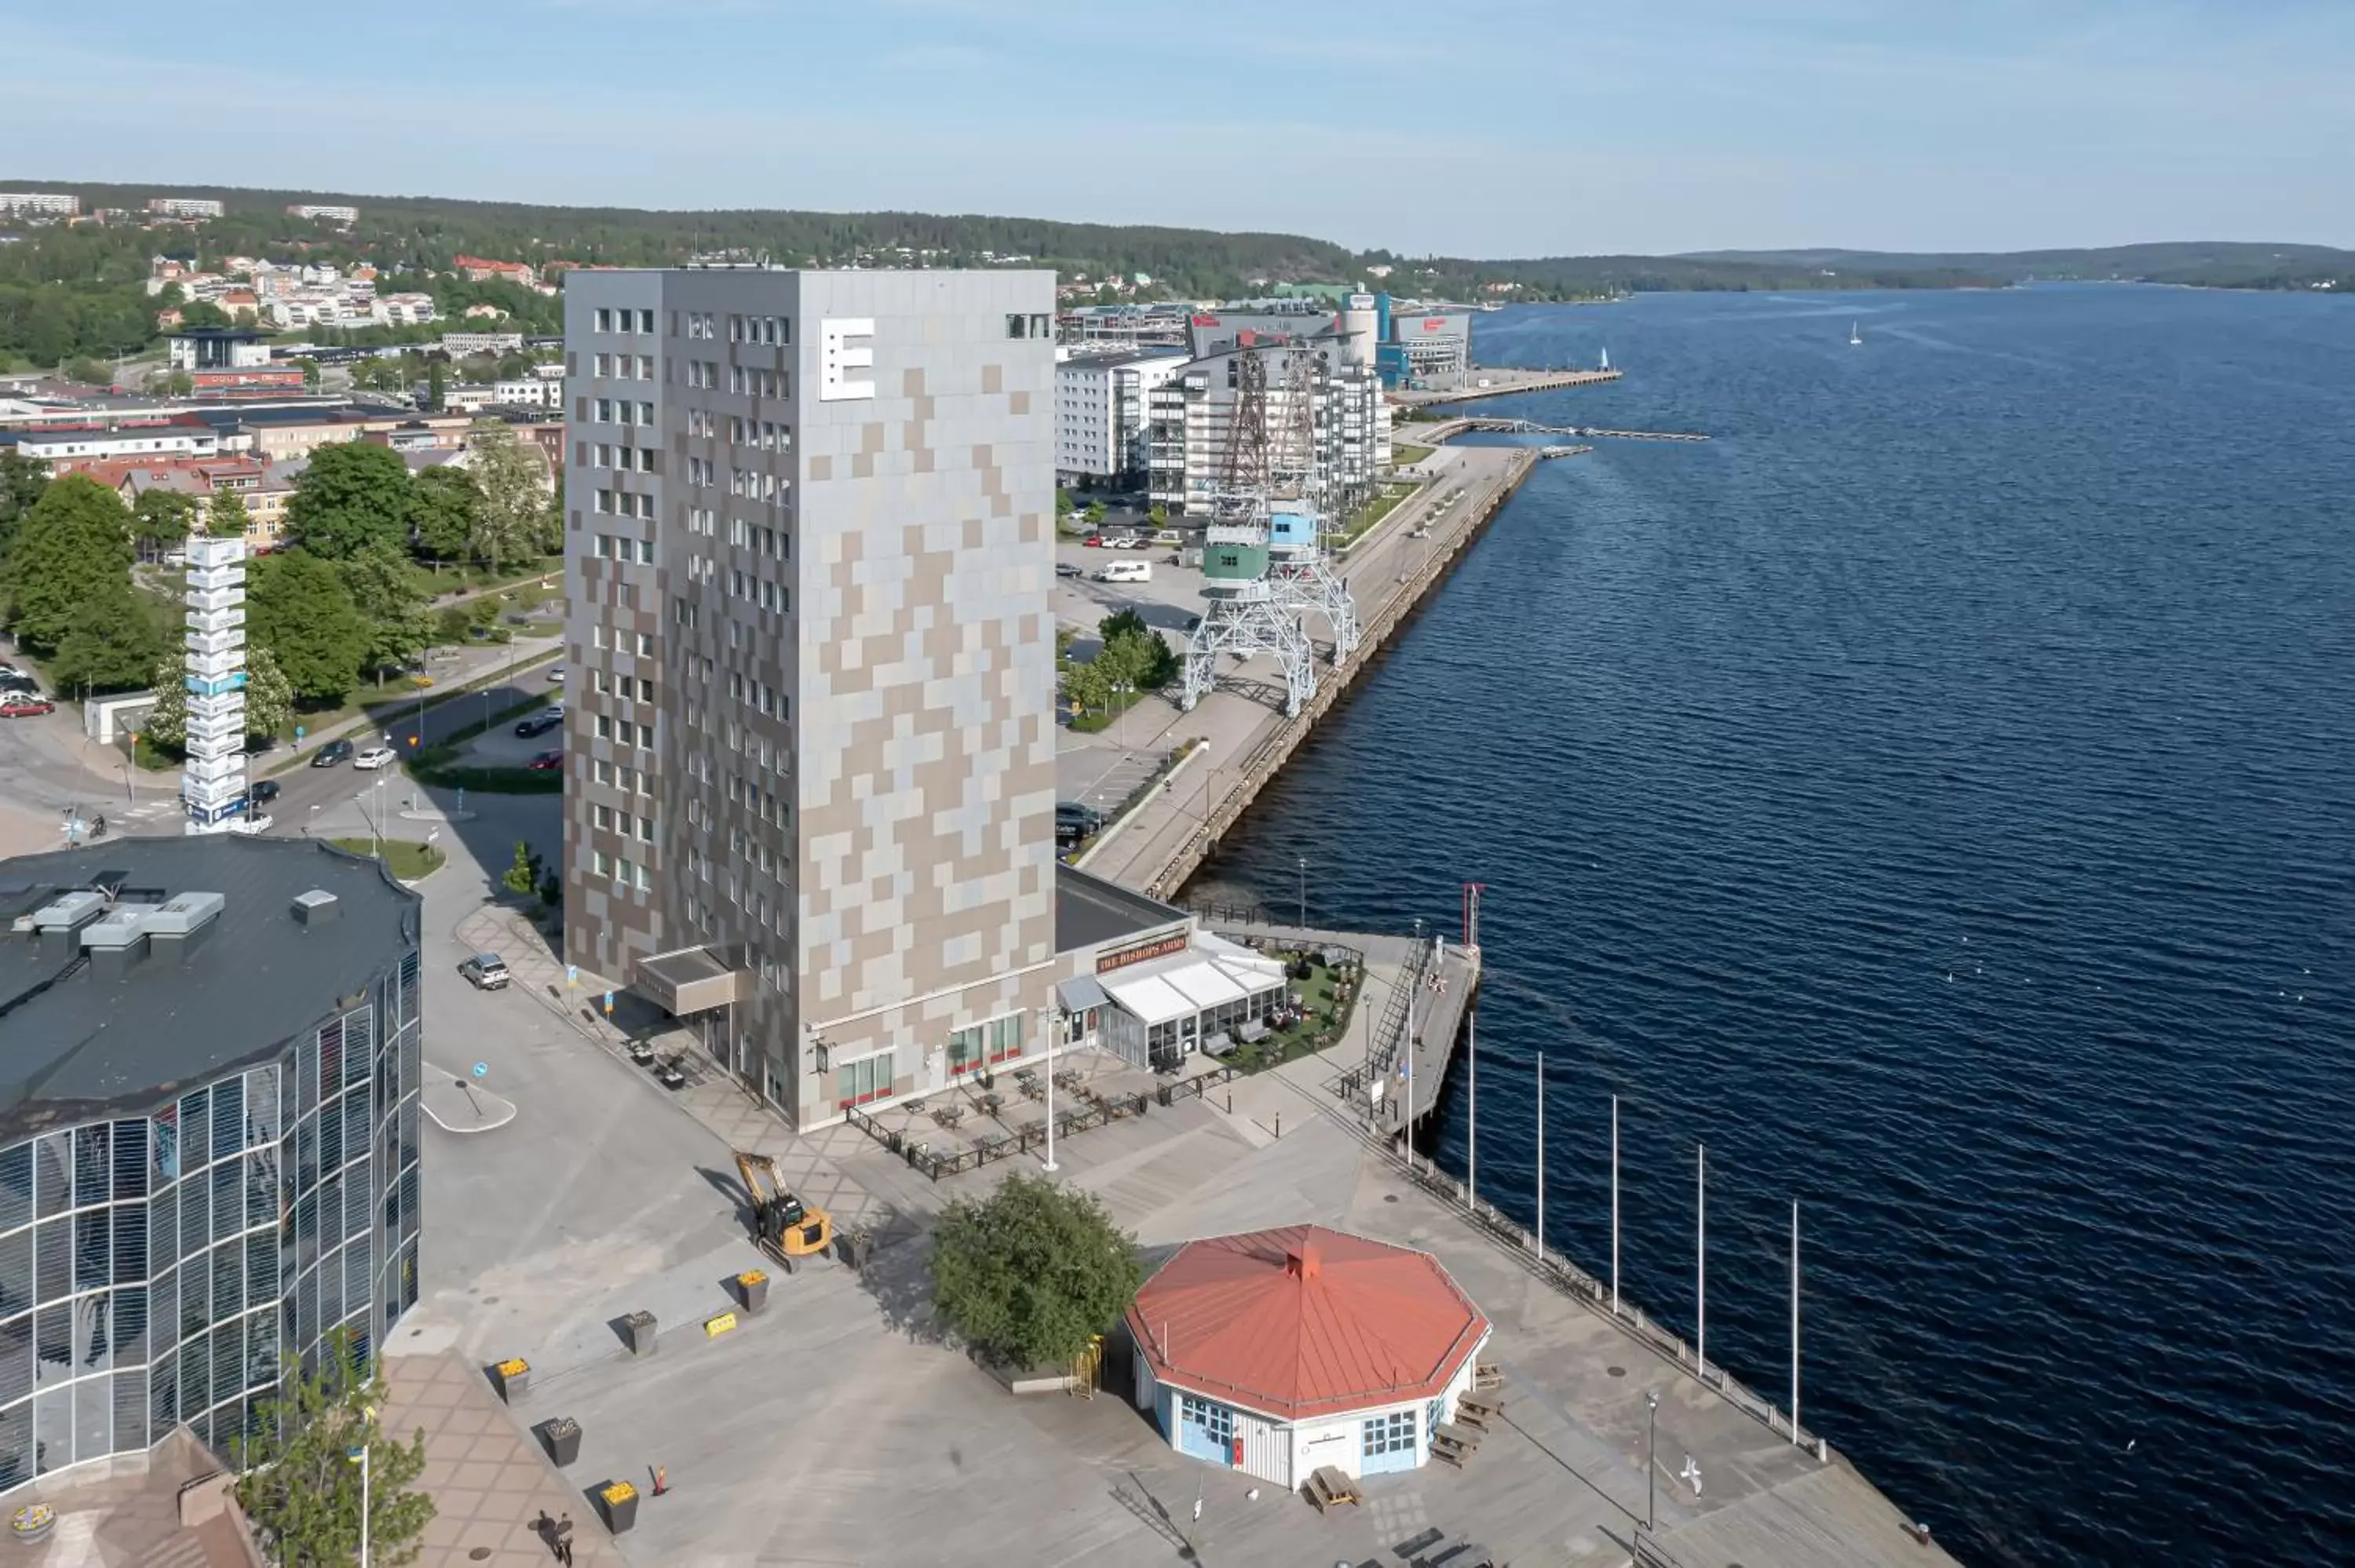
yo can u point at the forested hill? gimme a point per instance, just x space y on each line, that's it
2216 264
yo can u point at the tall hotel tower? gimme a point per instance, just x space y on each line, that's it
809 744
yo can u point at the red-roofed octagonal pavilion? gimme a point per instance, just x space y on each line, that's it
1277 1351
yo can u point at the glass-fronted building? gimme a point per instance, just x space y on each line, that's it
208 1127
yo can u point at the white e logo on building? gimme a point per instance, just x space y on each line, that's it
845 346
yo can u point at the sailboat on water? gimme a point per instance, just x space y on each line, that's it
1855 338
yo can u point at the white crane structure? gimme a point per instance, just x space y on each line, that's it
1263 563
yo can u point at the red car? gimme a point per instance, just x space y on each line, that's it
21 706
546 761
1094 541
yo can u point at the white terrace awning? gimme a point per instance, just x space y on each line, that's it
1151 998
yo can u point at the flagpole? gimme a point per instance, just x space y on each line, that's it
1541 1169
1794 1322
1700 1260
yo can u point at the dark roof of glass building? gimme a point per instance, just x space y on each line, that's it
131 969
1091 911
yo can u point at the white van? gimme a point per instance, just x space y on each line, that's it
1125 572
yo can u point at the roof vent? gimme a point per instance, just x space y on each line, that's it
70 911
315 907
1306 1261
183 914
122 929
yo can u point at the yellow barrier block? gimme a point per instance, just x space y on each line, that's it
715 1327
513 1367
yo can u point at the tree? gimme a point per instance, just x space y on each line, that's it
160 519
268 700
298 1483
513 499
436 384
179 384
1064 504
71 548
109 644
384 590
1029 1274
310 374
1135 654
298 607
89 372
226 517
522 877
1085 685
353 494
1158 515
442 517
1094 515
21 482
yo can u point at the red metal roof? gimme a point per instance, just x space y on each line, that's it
1304 1321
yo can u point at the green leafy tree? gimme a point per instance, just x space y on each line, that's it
437 385
513 504
385 591
522 877
298 607
110 644
446 499
160 519
1031 1273
71 550
310 374
1158 515
1064 504
352 495
268 700
179 384
21 482
1094 515
297 1480
1085 685
226 517
1135 654
204 313
90 372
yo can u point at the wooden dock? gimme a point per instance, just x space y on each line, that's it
1506 382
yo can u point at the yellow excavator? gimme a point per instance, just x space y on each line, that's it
783 1226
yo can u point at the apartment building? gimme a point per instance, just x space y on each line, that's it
184 206
1191 417
39 204
347 216
810 756
1102 407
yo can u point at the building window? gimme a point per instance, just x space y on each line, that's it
857 1083
1391 1434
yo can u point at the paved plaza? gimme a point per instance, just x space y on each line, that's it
838 1427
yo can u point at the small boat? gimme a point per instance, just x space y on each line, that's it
1855 338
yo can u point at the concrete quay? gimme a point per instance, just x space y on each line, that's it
1503 381
1167 836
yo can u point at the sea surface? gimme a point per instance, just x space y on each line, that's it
1936 795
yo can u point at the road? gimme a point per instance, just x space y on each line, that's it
49 767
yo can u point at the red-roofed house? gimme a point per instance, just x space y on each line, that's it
1279 1352
475 269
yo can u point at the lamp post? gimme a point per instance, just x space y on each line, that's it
1651 1468
359 1455
1304 893
1050 1167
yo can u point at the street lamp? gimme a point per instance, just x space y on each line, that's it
358 1455
1304 893
1651 1468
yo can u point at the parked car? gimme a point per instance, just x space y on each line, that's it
251 823
487 972
376 757
1125 572
21 705
260 791
1094 541
546 761
556 674
1168 537
541 722
1067 569
1086 816
333 753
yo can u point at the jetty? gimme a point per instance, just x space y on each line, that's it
1589 432
1503 381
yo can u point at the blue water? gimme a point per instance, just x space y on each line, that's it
1936 795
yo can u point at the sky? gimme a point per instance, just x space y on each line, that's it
1484 128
